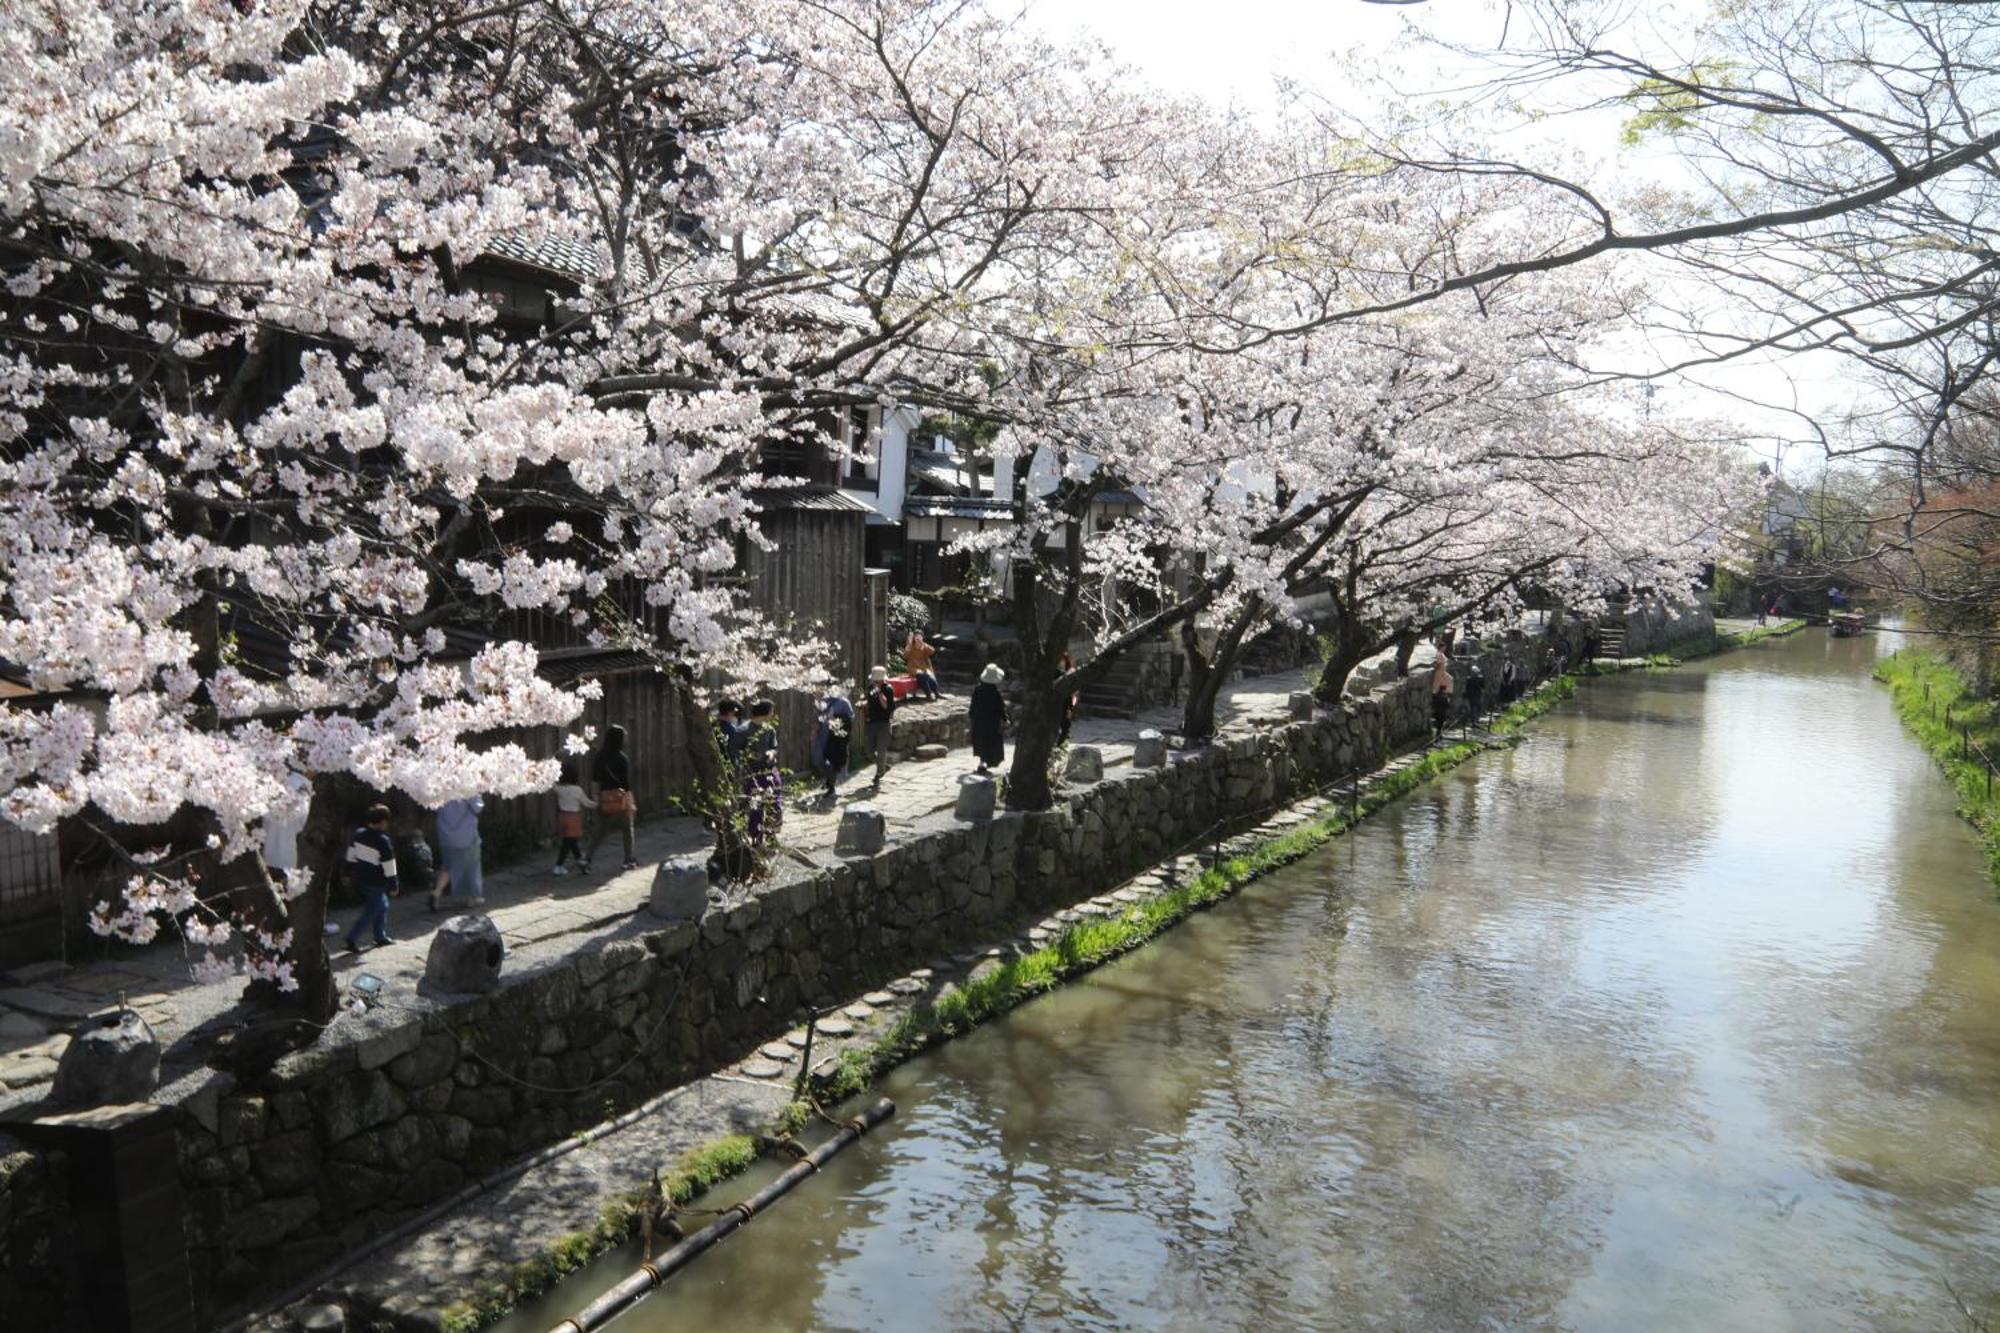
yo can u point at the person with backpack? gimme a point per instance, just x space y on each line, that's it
879 711
570 800
1475 691
371 868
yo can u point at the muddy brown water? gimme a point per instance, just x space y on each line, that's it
1684 1014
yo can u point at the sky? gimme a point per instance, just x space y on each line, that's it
1237 52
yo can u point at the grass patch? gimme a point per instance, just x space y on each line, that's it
1090 944
697 1172
1940 710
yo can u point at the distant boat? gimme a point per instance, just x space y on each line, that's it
1846 624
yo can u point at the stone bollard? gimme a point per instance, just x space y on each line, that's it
1086 764
1301 704
465 956
864 831
978 797
680 891
114 1060
1151 751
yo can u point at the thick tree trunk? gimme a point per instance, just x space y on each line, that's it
1198 718
1203 682
1406 648
1038 726
321 845
1351 647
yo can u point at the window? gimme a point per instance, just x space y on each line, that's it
861 437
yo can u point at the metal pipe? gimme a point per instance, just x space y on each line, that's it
648 1276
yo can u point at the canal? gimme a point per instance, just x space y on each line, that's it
1683 1014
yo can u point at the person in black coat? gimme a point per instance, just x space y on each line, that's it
611 773
989 718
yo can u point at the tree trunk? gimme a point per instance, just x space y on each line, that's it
1198 719
1350 648
320 848
1203 682
1406 647
716 791
1038 725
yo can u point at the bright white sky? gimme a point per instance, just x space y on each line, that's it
1236 51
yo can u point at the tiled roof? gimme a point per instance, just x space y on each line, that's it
567 668
824 498
570 259
956 506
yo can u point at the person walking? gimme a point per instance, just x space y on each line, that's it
1440 694
570 800
728 729
1475 692
458 844
879 710
1509 679
832 732
987 714
763 780
371 868
917 657
611 774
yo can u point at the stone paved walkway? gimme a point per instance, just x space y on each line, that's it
540 915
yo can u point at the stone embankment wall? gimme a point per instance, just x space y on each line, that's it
1653 625
339 1143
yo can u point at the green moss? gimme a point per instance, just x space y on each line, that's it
699 1171
1941 711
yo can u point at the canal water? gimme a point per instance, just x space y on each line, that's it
1684 1014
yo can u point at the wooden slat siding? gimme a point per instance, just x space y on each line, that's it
30 875
813 574
640 702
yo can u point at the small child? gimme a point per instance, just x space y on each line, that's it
569 820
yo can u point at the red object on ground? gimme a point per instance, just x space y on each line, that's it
904 686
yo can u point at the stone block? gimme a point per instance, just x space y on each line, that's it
978 797
1151 751
116 1059
378 1050
680 891
925 753
864 830
288 1162
429 1062
1086 764
465 956
1301 705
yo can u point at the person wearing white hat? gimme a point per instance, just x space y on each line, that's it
987 714
880 709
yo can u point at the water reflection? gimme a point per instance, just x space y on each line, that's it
1681 1015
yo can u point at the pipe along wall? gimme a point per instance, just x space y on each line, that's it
647 1276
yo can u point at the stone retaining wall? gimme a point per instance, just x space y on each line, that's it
34 1236
342 1142
1654 624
